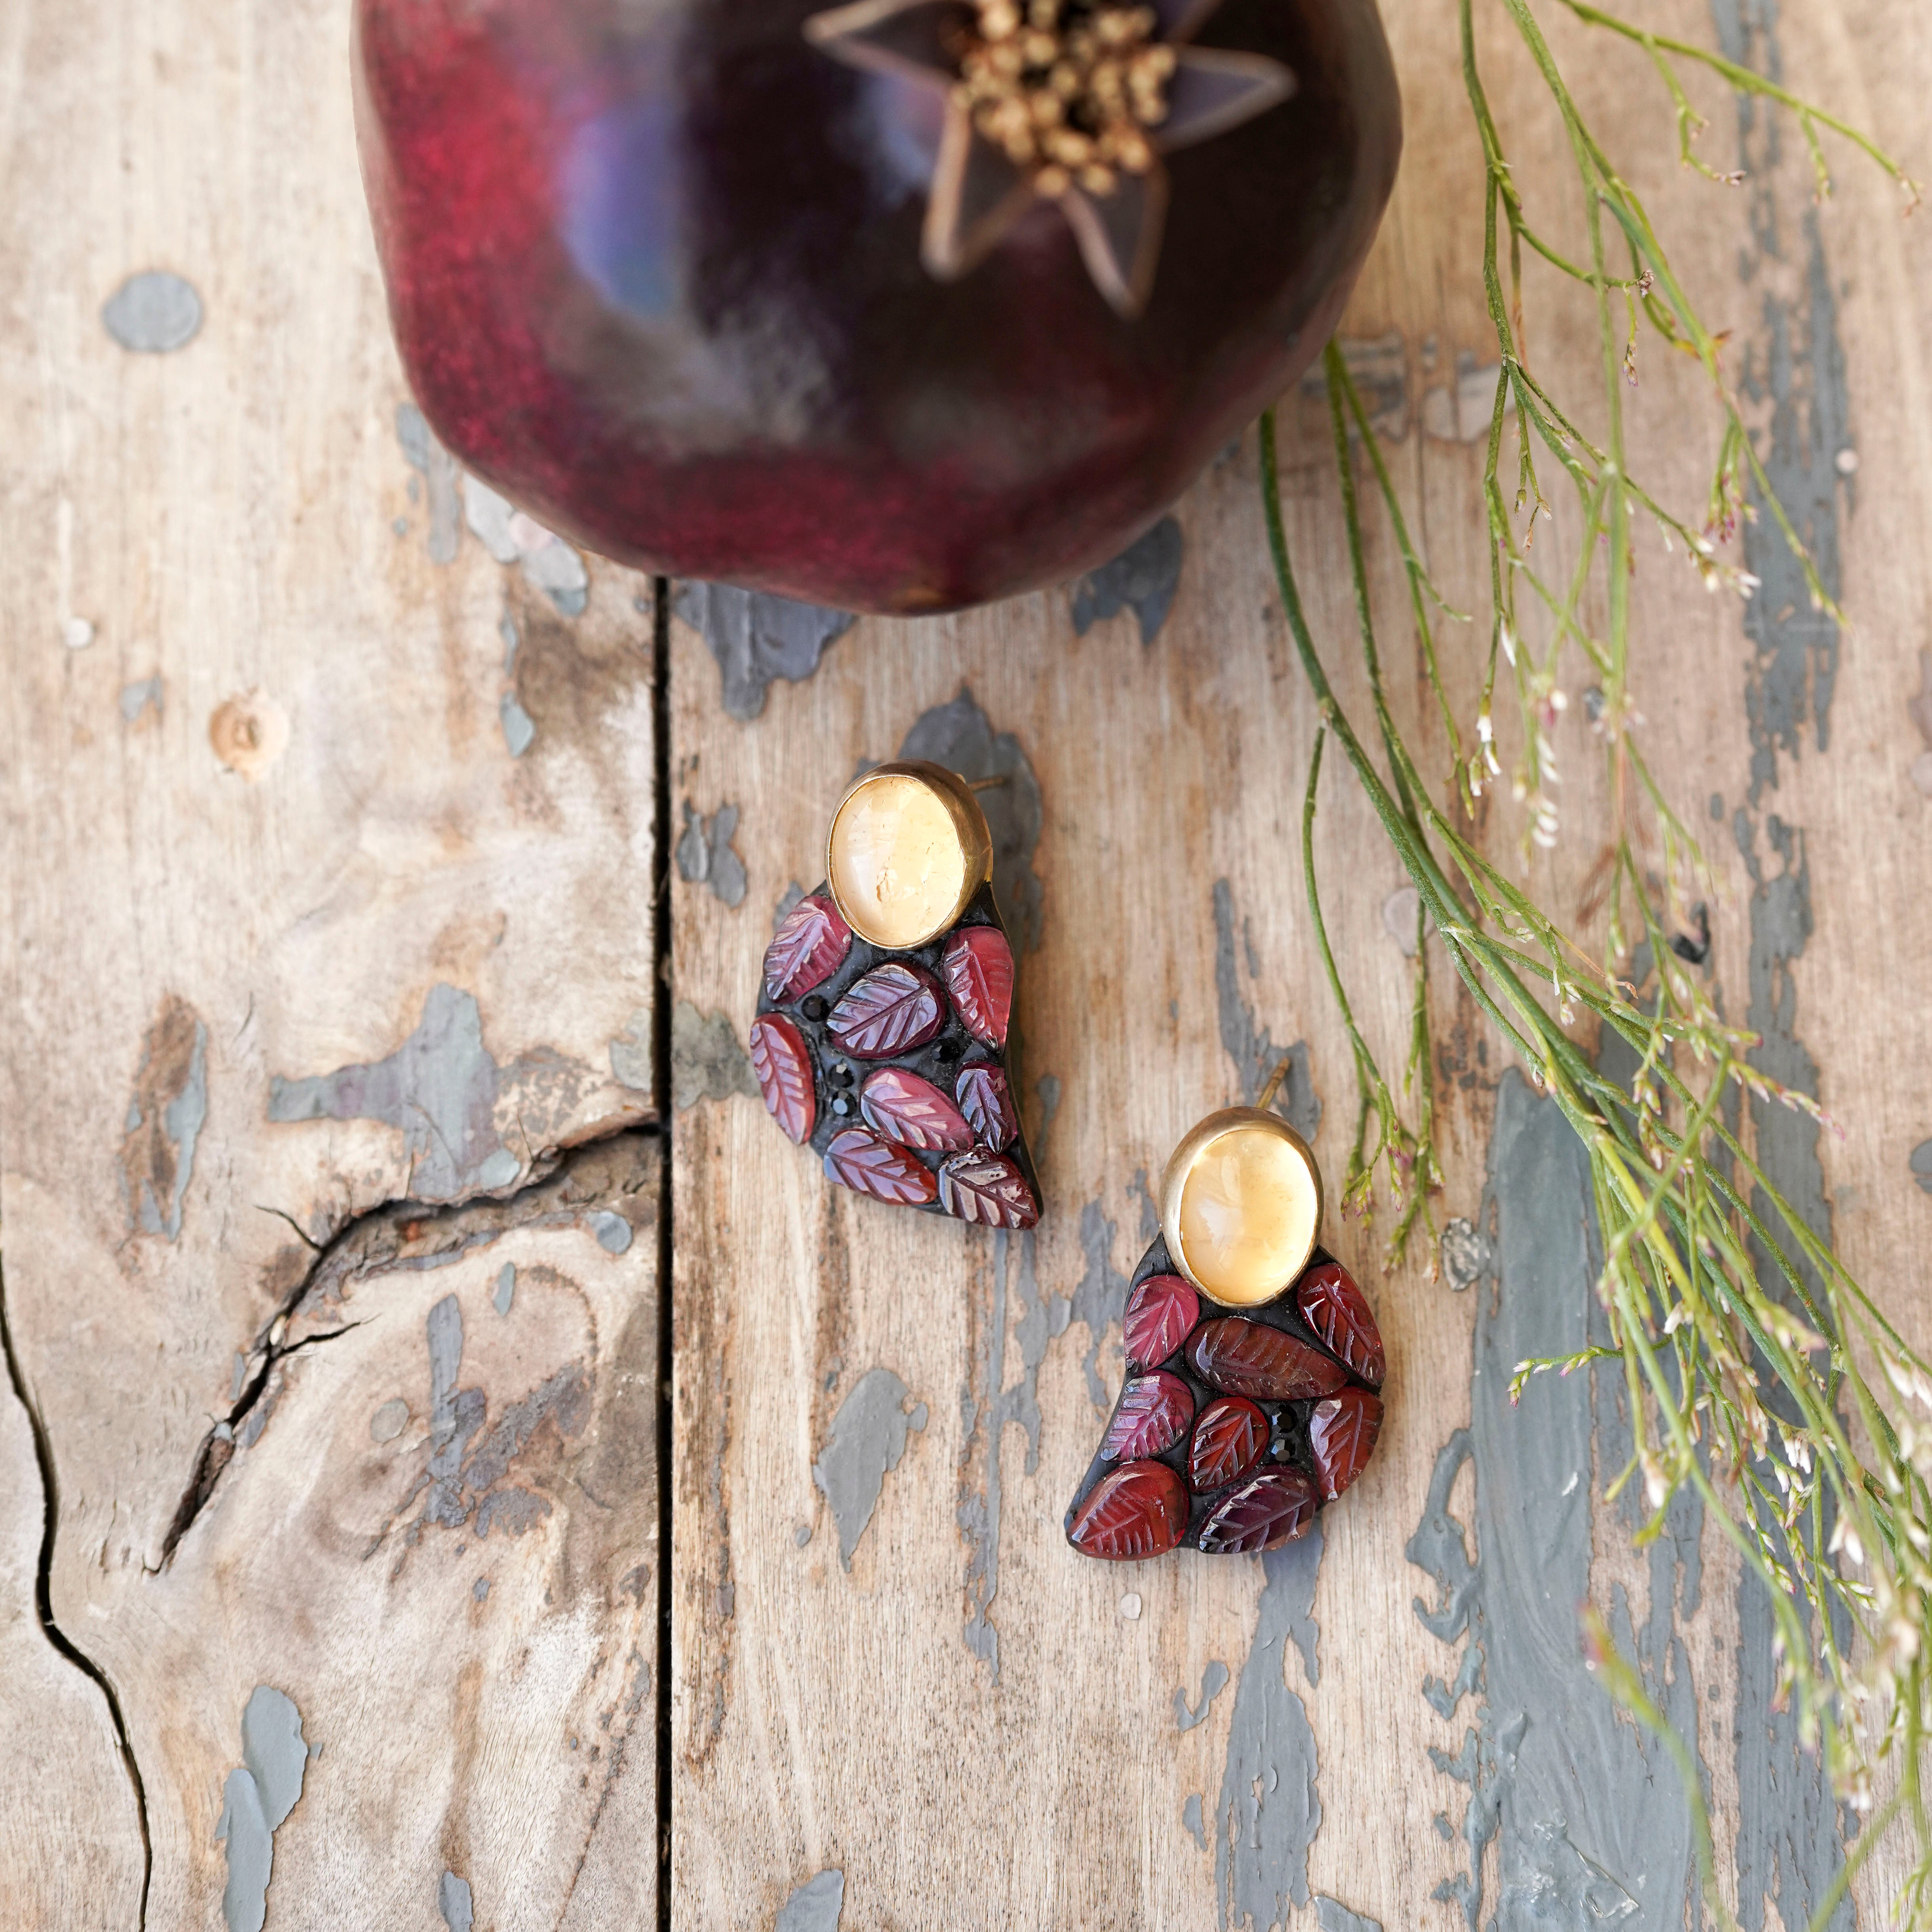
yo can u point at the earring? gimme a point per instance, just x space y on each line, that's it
881 1032
1253 1397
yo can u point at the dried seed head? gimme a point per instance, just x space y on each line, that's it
1067 89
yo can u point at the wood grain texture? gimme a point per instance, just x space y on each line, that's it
965 1721
297 1064
327 884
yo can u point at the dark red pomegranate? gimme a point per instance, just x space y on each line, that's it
715 296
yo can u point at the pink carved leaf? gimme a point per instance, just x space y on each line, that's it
809 946
1267 1510
1152 1414
978 964
1159 1313
857 1158
988 1104
1263 1363
1138 1509
913 1111
893 1009
1343 1431
782 1063
1328 1299
989 1188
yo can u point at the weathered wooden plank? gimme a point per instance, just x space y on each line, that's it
70 1828
328 805
965 1724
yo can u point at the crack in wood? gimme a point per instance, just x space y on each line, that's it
568 1187
43 1602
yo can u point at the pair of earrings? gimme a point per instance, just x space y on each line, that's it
1254 1367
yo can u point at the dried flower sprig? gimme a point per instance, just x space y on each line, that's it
1759 1374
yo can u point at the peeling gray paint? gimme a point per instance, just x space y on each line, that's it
1268 1813
506 1288
868 1438
390 1420
987 1407
1921 1165
1142 579
1789 1844
153 313
453 1901
707 1061
756 637
630 1053
704 854
1255 1055
438 1089
465 1482
814 1906
1100 1298
137 697
164 1120
960 736
1213 1682
613 1232
1193 1822
1379 364
438 467
255 1800
1332 1915
1586 1813
480 1589
510 536
520 728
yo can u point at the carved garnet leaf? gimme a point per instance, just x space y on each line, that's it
809 946
988 1188
988 1104
1138 1509
1342 1432
1267 1510
782 1062
978 964
913 1112
893 1009
857 1158
1153 1414
1328 1300
1264 1363
1159 1313
1229 1439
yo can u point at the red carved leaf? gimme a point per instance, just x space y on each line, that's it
782 1062
1152 1414
1267 1510
989 1188
809 946
913 1112
1342 1432
1159 1313
978 964
893 1009
1229 1439
988 1104
1265 1364
1138 1509
857 1158
1328 1300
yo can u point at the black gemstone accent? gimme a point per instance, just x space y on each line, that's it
841 1106
948 1050
813 1007
839 1074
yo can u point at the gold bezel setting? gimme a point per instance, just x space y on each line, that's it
976 843
1186 1157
